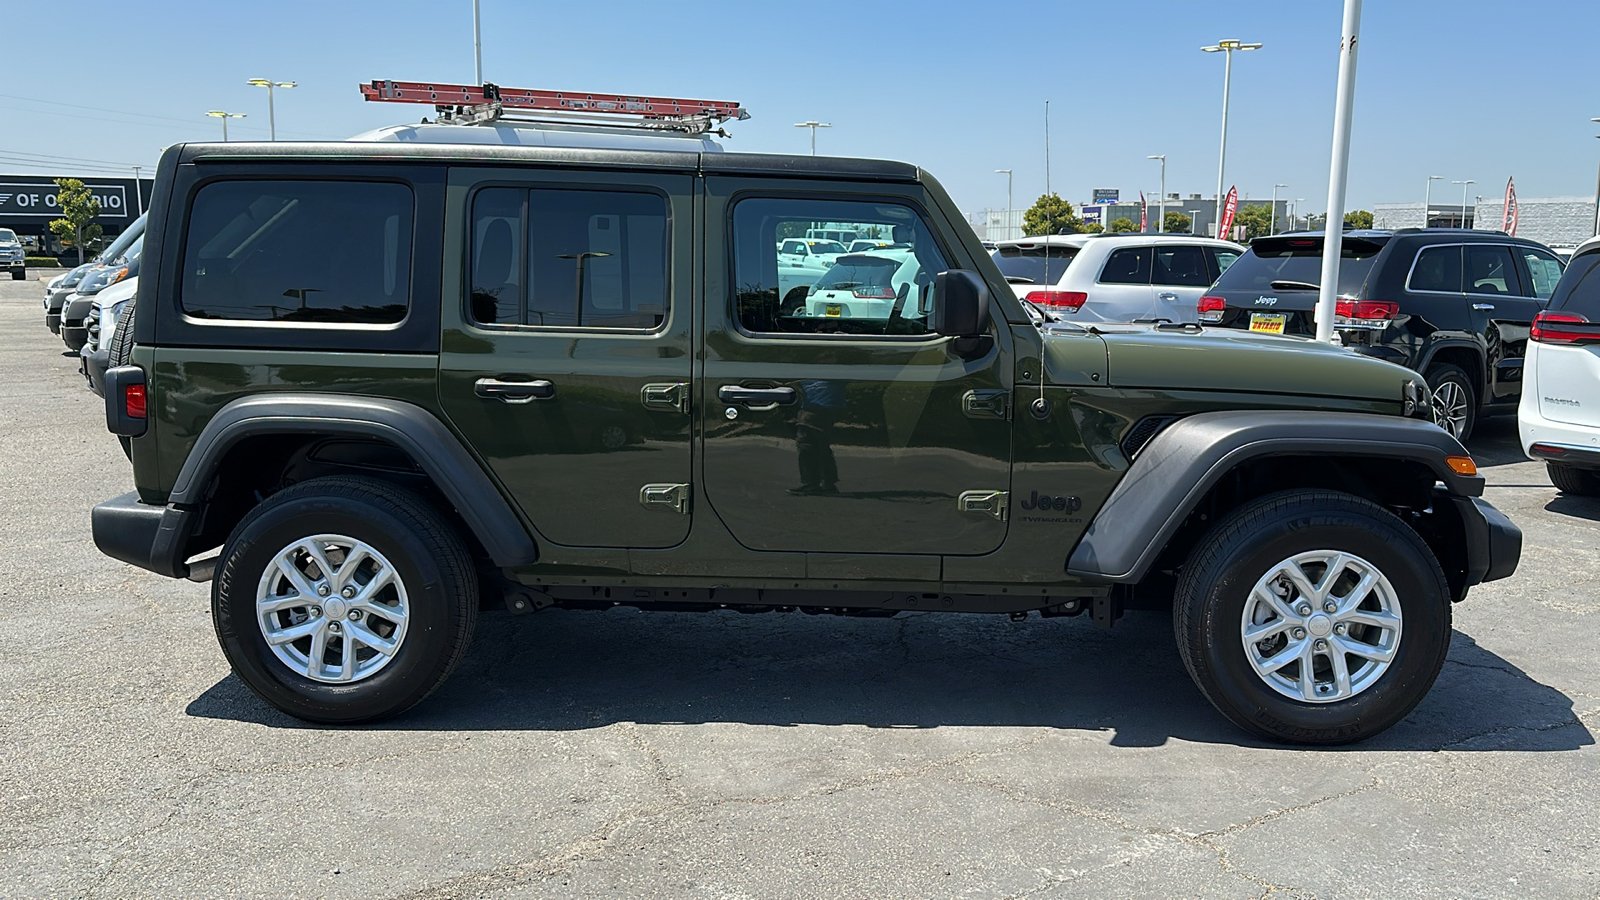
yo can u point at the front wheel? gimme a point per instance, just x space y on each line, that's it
343 600
1313 617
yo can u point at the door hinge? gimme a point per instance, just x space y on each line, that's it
988 404
670 395
990 503
665 496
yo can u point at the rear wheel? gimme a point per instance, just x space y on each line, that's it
1573 480
344 600
1455 400
1313 617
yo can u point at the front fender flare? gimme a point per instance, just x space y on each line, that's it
1186 459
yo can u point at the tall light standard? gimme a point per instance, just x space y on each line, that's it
813 124
1007 173
1427 198
272 119
138 189
224 116
1161 223
1225 47
1294 215
1464 199
1272 221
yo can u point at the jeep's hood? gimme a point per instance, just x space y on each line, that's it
1227 359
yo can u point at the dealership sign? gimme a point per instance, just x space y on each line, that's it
1106 195
41 198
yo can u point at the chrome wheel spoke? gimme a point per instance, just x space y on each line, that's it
347 659
1363 650
319 651
1341 672
293 633
1368 617
329 646
1308 681
1259 633
319 556
284 601
1358 594
297 578
369 637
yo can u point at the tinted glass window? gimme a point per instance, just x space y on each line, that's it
1579 288
1544 269
1034 265
1437 269
569 258
885 293
1221 259
1297 261
299 251
1129 265
1489 270
1183 266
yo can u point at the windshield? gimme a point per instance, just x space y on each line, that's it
1276 260
1034 265
7 236
858 271
124 240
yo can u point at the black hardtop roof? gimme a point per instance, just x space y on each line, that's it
1405 237
726 163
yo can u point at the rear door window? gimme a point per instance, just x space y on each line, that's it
1437 269
1127 265
1221 259
306 252
1490 270
1181 266
1034 265
1544 269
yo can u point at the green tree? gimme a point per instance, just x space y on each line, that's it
1358 218
79 209
1255 218
1091 228
1051 215
1178 223
1123 225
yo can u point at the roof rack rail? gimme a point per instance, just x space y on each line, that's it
466 104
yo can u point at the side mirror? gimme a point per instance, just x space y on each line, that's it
960 304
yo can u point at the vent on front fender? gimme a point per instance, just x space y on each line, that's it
1141 433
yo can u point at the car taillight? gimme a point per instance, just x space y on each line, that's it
1071 301
1366 309
133 401
1211 308
1564 328
869 292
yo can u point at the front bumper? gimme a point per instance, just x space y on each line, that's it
52 321
93 365
74 336
1493 541
143 534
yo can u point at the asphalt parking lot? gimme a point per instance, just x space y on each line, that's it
725 755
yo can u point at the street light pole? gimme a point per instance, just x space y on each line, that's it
225 116
1596 196
272 117
813 124
1225 47
1161 224
1464 199
477 45
1427 199
1007 173
1272 222
138 190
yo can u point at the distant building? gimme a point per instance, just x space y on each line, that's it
1560 223
1409 215
996 225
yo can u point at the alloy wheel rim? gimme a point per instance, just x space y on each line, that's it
1450 407
332 608
1314 613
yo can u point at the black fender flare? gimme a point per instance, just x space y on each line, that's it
1176 469
413 429
1476 348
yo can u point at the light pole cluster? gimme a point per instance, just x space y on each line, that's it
272 119
1007 173
1227 48
1464 185
225 116
813 124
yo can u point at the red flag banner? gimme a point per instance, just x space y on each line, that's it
1144 214
1229 206
1508 215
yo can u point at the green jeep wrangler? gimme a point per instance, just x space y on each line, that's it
374 388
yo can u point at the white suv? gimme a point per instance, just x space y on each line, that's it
1559 414
1115 277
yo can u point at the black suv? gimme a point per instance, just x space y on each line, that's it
1450 303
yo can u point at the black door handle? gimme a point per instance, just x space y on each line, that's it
757 398
513 391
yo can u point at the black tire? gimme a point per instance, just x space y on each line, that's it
19 276
1573 480
427 554
1243 547
1441 379
122 339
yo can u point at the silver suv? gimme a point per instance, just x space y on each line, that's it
1115 277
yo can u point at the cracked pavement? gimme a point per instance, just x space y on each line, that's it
734 756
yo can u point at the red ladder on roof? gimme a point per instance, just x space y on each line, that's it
663 109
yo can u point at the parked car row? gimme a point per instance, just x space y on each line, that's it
84 304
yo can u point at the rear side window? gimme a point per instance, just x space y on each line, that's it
1579 289
1034 265
1544 269
1489 270
1129 265
1221 259
569 258
1290 263
1437 269
1181 266
299 251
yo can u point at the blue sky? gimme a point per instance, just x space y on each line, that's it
1459 88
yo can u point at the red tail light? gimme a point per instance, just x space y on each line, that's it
870 292
133 401
1068 300
1368 310
1211 308
1564 328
